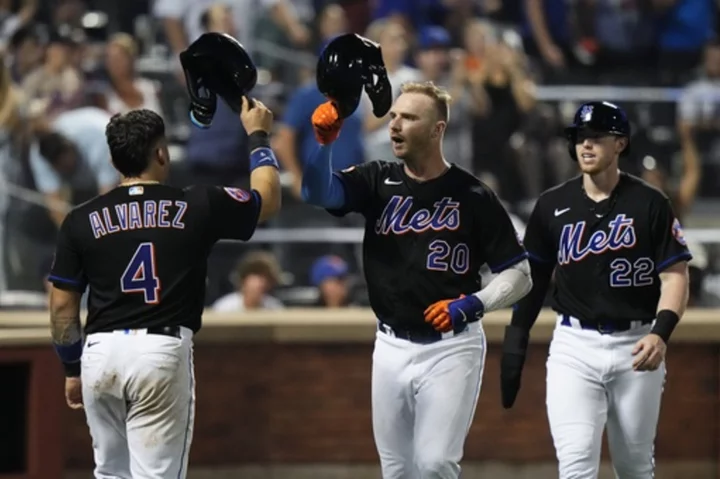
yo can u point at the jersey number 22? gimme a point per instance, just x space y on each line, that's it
140 276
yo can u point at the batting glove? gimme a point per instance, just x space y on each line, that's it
326 123
453 314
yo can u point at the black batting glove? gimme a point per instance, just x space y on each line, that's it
515 347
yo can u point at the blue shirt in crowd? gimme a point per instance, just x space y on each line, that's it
687 26
348 148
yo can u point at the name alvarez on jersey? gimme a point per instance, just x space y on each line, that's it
425 241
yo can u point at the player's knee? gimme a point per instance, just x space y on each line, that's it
435 466
577 461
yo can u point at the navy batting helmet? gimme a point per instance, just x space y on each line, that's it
348 64
600 116
216 64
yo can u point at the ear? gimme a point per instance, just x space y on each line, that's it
438 129
160 156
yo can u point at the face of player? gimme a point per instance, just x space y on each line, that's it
597 151
414 125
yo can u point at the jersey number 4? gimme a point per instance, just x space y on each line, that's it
140 276
624 274
443 257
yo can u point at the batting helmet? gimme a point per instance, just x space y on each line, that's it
216 64
598 116
348 64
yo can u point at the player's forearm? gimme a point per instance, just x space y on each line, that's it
265 175
527 309
65 329
507 288
319 186
674 293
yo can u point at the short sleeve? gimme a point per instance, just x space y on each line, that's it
688 104
234 212
497 236
537 240
359 185
670 244
46 179
67 271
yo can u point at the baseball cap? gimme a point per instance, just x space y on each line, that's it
433 37
327 267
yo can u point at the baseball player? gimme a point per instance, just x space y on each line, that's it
430 226
621 286
141 249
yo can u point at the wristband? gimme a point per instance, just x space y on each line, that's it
258 139
665 324
70 356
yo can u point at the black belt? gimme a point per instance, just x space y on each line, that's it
418 336
173 331
604 327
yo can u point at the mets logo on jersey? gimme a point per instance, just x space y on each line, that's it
678 233
238 194
397 219
573 247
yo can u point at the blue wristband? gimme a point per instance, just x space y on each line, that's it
70 356
263 156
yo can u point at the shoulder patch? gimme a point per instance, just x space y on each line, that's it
238 194
678 233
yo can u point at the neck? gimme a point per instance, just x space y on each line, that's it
599 186
429 168
143 179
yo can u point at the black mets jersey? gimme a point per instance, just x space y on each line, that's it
425 241
142 251
608 254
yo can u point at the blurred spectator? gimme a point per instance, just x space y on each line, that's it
614 35
449 70
547 34
699 119
70 161
500 73
56 82
392 37
330 275
257 274
127 90
218 155
332 22
413 14
11 21
685 27
295 143
182 21
25 52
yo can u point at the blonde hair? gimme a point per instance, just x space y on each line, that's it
125 42
439 95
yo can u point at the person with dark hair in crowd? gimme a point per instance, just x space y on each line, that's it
25 52
257 273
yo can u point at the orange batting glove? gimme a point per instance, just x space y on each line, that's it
447 314
326 123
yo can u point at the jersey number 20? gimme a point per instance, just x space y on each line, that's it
624 274
140 276
443 256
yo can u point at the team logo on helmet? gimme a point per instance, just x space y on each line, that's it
586 113
678 233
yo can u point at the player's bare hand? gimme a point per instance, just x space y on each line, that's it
255 116
649 353
73 393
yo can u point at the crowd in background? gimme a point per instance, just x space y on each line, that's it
68 65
